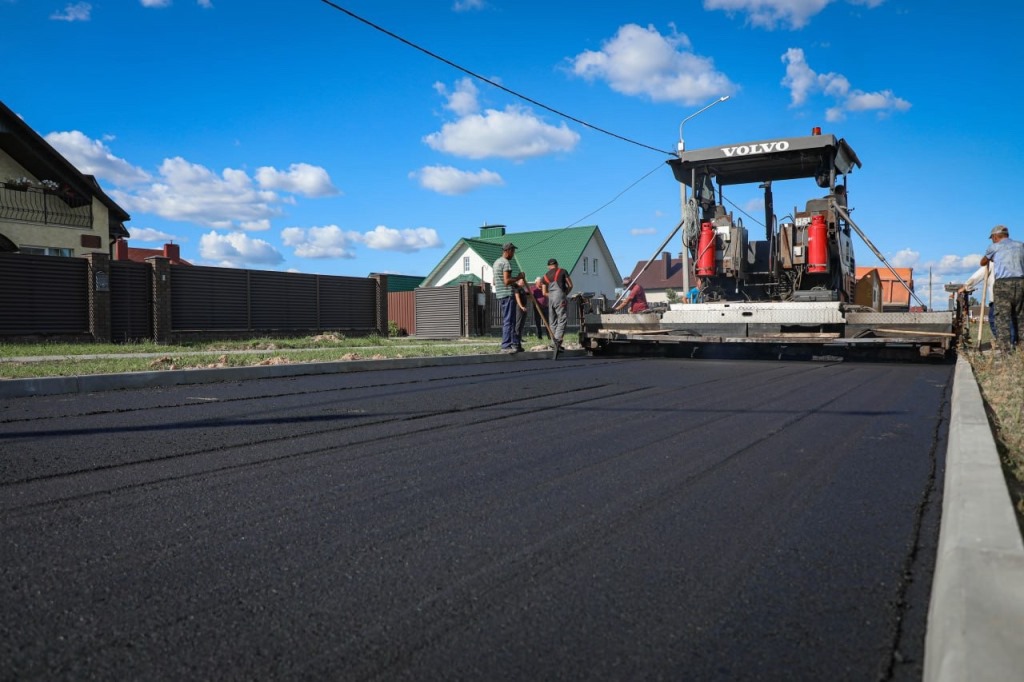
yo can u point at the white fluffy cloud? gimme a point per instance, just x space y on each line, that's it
642 231
93 157
237 249
407 241
803 82
448 180
300 178
193 193
79 11
148 234
515 133
769 14
641 61
330 241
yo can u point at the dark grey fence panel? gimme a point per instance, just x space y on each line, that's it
348 303
131 301
282 300
43 295
204 298
439 312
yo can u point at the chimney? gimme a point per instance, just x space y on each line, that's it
172 252
492 231
120 250
666 258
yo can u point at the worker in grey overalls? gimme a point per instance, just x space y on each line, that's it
556 285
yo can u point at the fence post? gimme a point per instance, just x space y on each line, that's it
161 298
382 303
99 296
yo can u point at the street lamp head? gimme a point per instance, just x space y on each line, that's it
682 145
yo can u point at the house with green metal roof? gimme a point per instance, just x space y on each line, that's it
580 250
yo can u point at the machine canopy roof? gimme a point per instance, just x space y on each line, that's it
813 156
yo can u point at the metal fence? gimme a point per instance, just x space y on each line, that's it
44 296
49 207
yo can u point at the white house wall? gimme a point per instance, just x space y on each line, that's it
604 282
455 268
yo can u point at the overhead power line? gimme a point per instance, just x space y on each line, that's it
489 81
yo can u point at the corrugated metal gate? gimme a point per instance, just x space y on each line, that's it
439 312
402 310
131 309
43 295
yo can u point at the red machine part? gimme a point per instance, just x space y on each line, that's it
706 251
817 245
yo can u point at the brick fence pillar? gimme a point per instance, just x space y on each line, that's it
382 303
99 296
161 298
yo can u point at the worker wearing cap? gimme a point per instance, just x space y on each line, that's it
1007 258
504 282
633 296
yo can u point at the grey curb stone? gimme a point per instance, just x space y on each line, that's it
976 615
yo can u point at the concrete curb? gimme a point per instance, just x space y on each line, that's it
977 601
92 383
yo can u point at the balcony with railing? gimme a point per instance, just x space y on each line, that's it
58 206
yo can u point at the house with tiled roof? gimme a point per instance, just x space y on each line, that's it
170 251
580 250
661 275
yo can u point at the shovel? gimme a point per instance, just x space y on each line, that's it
540 314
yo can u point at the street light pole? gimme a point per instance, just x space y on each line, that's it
680 148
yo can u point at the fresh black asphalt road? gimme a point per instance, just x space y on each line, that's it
583 519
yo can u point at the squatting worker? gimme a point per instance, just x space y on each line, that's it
634 297
1007 258
542 301
504 281
556 285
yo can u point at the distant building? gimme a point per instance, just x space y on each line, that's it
171 252
581 251
661 275
895 297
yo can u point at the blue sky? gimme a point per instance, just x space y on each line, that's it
289 135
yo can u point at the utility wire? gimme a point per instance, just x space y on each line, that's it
489 81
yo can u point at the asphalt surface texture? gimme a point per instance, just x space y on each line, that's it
579 519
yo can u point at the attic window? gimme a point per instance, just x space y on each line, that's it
595 266
584 265
465 263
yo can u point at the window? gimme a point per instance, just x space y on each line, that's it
465 263
584 265
595 266
46 251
